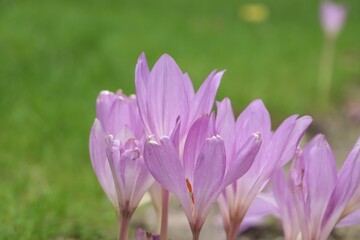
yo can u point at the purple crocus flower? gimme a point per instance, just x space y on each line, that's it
332 17
316 197
277 148
321 195
167 98
203 172
116 146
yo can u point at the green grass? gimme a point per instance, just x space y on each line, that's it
57 55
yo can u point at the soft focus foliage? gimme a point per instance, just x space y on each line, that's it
57 55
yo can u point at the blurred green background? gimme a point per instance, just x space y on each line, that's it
55 57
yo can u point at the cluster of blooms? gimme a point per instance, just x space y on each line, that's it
169 135
315 198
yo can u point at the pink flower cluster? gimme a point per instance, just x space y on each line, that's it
170 134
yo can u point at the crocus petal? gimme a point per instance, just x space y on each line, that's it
167 98
175 135
350 220
264 164
108 106
104 103
285 139
162 160
189 86
100 163
285 200
348 181
143 183
122 114
204 98
244 159
320 175
113 147
196 137
255 118
208 174
116 111
142 73
225 127
298 187
293 141
163 163
136 177
354 202
142 69
134 121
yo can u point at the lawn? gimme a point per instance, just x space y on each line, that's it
57 55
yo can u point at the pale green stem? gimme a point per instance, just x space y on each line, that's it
196 234
235 222
124 226
164 215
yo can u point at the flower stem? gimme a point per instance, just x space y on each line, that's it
196 227
233 231
326 69
234 227
164 214
124 225
196 234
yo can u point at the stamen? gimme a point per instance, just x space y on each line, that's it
300 184
188 184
